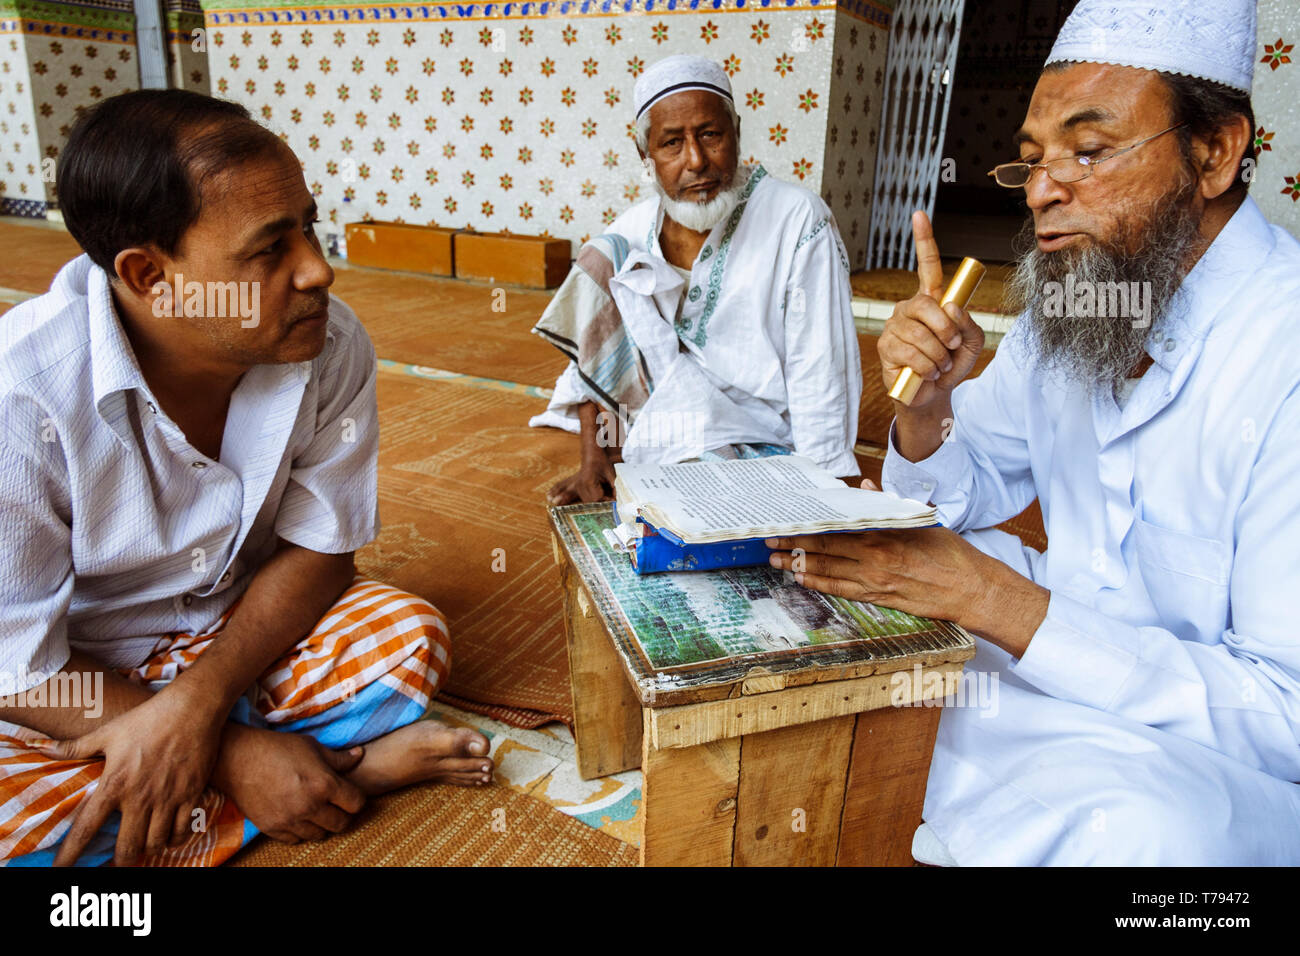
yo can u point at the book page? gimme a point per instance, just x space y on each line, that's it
766 511
723 478
734 499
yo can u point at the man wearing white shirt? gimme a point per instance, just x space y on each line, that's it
1148 662
187 463
711 320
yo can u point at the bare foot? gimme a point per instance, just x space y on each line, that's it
425 751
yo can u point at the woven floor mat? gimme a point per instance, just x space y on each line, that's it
451 826
462 500
465 327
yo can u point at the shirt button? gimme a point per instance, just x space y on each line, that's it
198 464
1170 345
152 407
187 600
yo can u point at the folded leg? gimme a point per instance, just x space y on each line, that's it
370 666
1028 779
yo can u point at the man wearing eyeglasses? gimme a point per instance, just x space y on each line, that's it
1148 663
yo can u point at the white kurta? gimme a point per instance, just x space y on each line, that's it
1155 716
765 349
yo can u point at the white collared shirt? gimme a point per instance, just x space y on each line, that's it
1173 523
116 530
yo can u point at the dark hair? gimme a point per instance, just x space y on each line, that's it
1205 107
133 169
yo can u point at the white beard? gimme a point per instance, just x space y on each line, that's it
703 216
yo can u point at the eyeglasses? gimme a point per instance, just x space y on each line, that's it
1068 169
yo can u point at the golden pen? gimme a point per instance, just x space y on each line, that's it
959 290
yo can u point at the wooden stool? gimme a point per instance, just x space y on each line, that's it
789 755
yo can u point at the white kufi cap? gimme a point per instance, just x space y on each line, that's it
676 74
1210 39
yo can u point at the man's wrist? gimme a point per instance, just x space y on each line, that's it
1006 609
918 432
594 453
237 741
203 695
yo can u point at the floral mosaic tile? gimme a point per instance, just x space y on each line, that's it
486 117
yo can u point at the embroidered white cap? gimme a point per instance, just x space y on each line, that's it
676 74
1210 39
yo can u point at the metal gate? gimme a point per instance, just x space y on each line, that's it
923 39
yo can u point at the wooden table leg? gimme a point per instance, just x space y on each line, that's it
606 711
886 785
688 803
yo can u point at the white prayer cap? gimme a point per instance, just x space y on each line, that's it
676 74
1210 39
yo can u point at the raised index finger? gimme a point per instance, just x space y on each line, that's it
929 269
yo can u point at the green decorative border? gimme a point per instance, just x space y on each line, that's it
183 21
720 263
73 14
877 13
812 235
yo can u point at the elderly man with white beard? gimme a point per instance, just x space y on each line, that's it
712 320
1148 663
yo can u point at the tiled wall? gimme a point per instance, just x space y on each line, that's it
1277 113
71 55
852 129
187 58
56 59
22 189
518 117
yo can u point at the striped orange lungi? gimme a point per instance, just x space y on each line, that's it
371 664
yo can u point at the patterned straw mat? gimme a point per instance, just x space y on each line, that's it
452 826
452 324
32 253
462 491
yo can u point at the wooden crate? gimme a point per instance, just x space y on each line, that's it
532 261
399 246
813 758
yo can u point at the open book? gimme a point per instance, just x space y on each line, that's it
713 501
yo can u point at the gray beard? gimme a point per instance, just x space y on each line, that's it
1093 346
703 216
